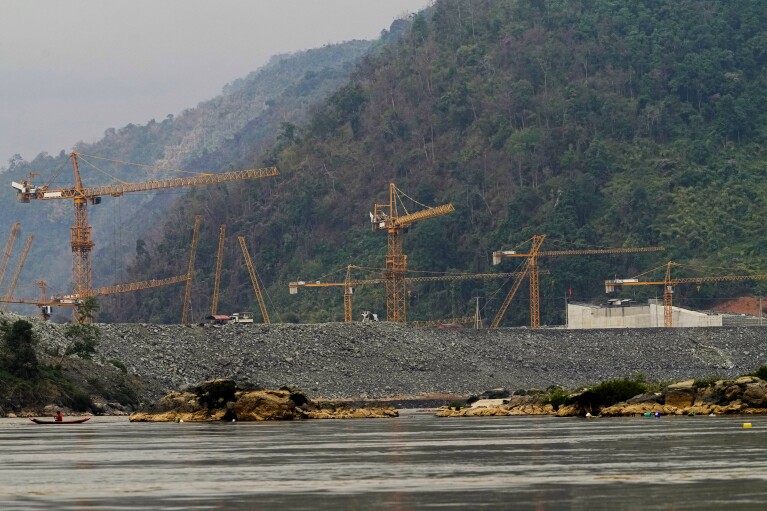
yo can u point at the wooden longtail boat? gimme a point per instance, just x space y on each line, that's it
51 421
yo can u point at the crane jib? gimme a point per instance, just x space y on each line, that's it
41 193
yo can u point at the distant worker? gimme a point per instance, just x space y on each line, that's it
59 417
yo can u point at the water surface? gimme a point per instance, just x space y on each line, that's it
416 461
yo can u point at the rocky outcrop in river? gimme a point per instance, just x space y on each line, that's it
744 395
223 400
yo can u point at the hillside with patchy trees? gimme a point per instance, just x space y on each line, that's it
597 123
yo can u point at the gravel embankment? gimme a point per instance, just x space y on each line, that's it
376 360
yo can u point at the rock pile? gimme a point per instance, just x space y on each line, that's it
382 359
223 400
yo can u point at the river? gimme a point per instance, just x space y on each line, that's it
415 461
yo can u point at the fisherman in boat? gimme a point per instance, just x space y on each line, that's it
59 417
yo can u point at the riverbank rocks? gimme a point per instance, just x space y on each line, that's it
490 407
224 400
744 395
495 411
681 394
352 413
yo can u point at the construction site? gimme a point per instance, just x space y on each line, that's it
392 218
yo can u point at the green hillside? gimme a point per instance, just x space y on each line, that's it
598 123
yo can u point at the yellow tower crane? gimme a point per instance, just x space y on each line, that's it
8 250
350 284
668 284
72 300
81 240
254 279
387 217
531 269
219 263
46 302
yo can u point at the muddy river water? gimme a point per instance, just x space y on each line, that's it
416 461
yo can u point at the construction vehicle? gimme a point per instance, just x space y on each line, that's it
81 240
241 317
530 269
387 217
668 284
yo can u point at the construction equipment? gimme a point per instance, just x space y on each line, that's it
241 317
81 240
350 284
531 268
386 217
46 303
8 250
219 262
17 272
668 284
254 279
45 310
186 313
72 300
528 267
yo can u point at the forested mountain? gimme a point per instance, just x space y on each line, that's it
598 123
280 91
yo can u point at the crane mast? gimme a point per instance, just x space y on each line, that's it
185 313
219 262
254 279
386 217
8 250
17 272
81 241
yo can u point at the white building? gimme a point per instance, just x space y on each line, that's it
624 314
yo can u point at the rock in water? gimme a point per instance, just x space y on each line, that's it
223 400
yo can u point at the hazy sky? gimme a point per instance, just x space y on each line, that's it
70 69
